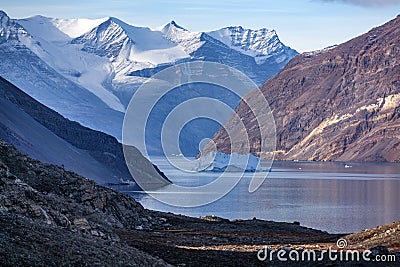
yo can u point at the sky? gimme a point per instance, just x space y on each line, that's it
304 25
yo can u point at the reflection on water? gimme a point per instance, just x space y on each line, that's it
336 197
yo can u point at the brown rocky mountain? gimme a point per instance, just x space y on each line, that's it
341 103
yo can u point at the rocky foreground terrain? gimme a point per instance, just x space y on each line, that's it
341 103
53 217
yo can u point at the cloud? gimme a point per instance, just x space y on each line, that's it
369 3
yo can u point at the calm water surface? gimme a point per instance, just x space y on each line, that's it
326 196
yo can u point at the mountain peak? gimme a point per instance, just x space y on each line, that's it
4 19
9 29
171 27
263 31
261 43
173 23
110 21
115 20
39 17
3 14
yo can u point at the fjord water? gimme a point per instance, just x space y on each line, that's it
331 196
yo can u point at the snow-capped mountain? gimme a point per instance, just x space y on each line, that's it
138 47
262 44
43 72
88 70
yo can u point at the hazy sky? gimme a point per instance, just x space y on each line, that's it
302 24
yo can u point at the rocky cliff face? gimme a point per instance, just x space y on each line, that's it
341 103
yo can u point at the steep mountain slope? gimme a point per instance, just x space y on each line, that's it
341 103
88 70
29 72
45 135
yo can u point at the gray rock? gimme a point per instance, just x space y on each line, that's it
51 217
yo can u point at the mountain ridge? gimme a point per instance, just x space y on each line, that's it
251 43
338 104
91 78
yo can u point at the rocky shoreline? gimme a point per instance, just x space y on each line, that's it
53 217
